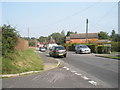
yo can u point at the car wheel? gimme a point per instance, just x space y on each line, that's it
64 55
76 52
50 55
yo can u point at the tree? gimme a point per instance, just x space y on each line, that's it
69 32
32 42
63 33
103 35
9 39
57 37
114 37
43 39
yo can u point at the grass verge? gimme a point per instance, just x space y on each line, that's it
22 61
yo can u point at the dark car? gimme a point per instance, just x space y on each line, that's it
58 51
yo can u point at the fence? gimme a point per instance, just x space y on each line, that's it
22 44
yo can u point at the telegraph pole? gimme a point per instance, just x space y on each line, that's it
86 30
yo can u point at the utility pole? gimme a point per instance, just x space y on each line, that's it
86 30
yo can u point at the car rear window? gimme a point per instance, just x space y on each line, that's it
59 48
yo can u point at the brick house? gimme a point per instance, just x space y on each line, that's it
81 38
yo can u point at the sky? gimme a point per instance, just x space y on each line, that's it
45 18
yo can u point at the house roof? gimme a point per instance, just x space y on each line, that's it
83 36
67 38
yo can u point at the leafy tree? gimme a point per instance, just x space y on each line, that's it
9 39
31 42
63 33
57 37
69 32
103 35
43 39
114 37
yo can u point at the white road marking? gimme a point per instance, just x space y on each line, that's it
93 82
67 69
73 71
79 74
64 67
84 77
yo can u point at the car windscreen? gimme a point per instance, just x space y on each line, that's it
83 46
59 48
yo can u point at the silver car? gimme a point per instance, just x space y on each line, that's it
82 49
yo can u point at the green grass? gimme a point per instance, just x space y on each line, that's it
22 61
114 57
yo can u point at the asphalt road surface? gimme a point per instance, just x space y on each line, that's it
103 70
77 71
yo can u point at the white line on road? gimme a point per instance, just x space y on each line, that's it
67 69
64 67
73 71
84 77
93 82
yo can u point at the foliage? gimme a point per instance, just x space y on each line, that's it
9 39
103 49
43 39
103 35
63 33
115 46
58 38
23 61
69 32
32 43
114 37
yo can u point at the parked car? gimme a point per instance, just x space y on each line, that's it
42 49
58 51
82 49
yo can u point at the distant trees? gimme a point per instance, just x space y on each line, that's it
9 39
58 37
42 39
103 35
70 32
114 37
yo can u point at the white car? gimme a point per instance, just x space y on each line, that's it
42 49
82 49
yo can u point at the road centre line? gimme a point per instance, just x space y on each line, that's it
93 82
67 69
73 71
64 67
84 77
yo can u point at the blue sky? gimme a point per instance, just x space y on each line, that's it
44 18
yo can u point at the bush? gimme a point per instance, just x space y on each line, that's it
103 49
9 40
92 47
115 46
100 49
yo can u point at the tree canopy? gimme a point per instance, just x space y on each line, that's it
9 39
103 35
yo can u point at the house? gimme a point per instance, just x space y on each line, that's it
100 42
81 38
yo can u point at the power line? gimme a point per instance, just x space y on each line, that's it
74 14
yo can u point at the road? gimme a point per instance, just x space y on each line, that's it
103 69
77 71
